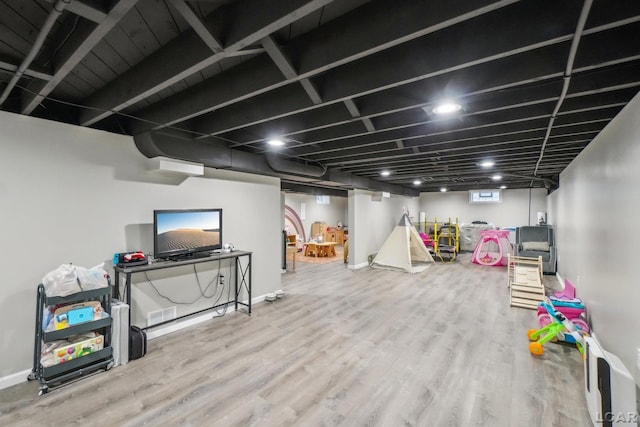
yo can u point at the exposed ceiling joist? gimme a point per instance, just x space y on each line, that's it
326 48
186 57
284 65
82 44
387 70
198 26
355 113
350 86
93 10
32 71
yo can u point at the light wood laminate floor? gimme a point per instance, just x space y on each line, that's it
345 348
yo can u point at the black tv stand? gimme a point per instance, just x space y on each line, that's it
241 276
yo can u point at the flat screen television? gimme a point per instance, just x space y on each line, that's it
184 233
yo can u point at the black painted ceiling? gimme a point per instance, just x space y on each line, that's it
349 85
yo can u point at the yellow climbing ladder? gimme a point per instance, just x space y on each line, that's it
445 238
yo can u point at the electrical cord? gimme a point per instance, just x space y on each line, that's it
226 305
215 303
215 279
203 292
62 43
171 300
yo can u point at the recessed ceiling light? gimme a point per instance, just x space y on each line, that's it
487 164
502 187
385 173
496 177
275 142
443 190
446 108
417 182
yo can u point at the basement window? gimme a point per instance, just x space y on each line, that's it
322 200
485 196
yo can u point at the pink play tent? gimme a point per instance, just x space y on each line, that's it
492 248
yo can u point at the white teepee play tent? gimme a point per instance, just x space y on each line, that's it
403 249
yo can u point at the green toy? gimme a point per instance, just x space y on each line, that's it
560 324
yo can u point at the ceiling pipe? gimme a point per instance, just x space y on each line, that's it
217 155
57 10
279 164
548 182
586 7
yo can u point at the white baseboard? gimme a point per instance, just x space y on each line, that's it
358 266
261 298
18 377
560 280
13 379
181 324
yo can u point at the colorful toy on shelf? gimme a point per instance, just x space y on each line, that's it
62 351
559 325
74 314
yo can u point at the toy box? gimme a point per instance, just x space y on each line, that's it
73 314
61 351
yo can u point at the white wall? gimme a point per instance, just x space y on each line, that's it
370 222
518 207
552 207
336 211
73 194
597 204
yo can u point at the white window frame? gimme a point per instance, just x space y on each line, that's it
485 196
323 200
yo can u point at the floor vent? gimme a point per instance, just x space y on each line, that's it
159 316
